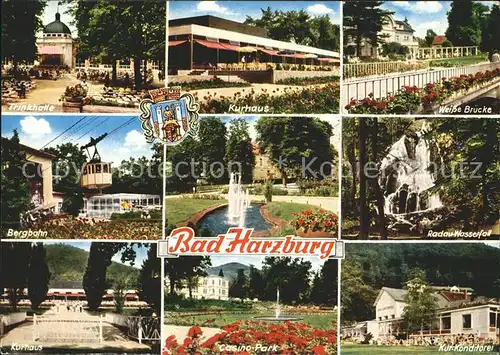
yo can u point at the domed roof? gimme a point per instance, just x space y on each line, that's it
57 26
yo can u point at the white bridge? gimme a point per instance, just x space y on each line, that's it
388 84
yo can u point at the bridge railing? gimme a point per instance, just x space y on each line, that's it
382 86
144 328
356 70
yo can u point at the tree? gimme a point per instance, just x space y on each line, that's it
66 169
221 273
357 296
38 276
291 276
94 280
429 37
150 279
394 48
324 286
185 271
16 198
256 283
20 23
14 256
213 149
239 287
421 304
363 20
239 149
324 34
299 145
119 291
363 211
464 28
374 181
489 37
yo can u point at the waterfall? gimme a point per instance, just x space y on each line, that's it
405 176
238 201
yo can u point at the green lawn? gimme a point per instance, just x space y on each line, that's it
180 209
395 350
461 61
317 321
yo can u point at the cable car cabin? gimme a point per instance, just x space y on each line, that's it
97 175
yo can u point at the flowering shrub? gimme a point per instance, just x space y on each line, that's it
212 83
315 99
74 93
322 220
292 338
309 80
411 98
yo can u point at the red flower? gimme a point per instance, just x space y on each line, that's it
194 331
319 350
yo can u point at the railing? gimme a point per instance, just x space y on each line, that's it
11 319
357 70
86 329
144 328
390 84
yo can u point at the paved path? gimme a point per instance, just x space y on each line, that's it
181 332
113 337
47 92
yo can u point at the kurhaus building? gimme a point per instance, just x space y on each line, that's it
205 42
458 313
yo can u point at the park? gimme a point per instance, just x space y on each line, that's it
277 175
405 298
286 61
276 303
80 297
82 59
421 178
396 66
79 177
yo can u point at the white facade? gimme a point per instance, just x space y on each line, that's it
394 31
56 42
103 206
209 287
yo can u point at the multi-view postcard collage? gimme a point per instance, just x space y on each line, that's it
250 177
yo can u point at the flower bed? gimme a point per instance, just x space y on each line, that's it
316 99
292 338
309 80
410 99
320 221
85 228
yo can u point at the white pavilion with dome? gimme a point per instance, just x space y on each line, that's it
56 46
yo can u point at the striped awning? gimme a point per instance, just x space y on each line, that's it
175 43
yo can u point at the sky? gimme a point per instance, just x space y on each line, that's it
37 130
333 120
256 261
141 252
49 15
238 10
423 15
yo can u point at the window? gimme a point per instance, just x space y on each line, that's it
397 38
467 321
106 168
493 317
393 316
98 168
386 317
379 318
446 322
260 161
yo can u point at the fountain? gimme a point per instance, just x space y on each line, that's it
277 312
405 178
238 201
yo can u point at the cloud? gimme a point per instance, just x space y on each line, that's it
135 139
319 10
35 128
133 145
420 7
211 6
439 27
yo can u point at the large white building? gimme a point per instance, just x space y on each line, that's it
458 313
209 287
56 45
393 31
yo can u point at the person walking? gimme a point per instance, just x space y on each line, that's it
495 58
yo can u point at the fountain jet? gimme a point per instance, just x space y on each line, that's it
238 201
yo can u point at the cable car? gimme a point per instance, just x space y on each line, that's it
96 174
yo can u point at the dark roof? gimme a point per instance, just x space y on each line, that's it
220 23
57 26
29 150
438 40
66 284
406 26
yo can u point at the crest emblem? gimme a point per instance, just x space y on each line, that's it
169 116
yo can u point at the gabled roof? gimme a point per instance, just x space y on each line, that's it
438 40
406 26
443 302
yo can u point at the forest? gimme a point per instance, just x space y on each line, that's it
368 268
403 177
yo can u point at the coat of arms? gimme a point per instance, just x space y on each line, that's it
169 116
